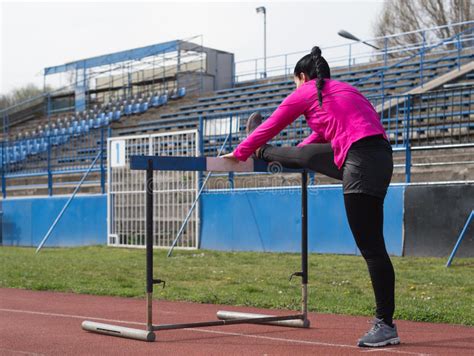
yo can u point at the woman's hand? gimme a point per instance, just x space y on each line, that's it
230 156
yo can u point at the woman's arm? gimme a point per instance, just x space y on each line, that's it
289 110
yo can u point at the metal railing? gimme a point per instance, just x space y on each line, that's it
441 119
37 159
428 121
349 55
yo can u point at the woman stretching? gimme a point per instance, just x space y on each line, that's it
348 143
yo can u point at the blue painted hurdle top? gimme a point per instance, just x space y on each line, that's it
215 164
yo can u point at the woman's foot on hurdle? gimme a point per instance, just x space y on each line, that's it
254 120
381 334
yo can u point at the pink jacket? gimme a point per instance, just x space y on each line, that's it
345 117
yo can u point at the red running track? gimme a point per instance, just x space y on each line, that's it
49 323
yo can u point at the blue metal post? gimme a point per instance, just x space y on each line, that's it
50 175
231 174
382 72
102 162
460 238
407 139
201 148
4 165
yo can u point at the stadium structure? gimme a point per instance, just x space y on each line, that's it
181 98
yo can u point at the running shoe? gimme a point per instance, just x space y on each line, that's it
381 334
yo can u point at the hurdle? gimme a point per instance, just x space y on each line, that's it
215 164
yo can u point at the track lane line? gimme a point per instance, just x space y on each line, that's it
21 352
263 337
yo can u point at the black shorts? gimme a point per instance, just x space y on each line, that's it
368 167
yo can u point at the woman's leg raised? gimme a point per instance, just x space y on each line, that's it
318 157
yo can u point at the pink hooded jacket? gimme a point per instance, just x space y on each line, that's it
345 117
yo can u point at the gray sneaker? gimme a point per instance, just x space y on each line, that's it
253 122
380 335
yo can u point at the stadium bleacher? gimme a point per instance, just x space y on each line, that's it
439 114
62 129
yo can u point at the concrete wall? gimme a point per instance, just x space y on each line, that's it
434 218
26 221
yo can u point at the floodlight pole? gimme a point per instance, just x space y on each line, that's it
263 10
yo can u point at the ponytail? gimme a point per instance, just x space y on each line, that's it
314 65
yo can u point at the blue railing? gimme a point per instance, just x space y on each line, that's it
438 119
431 120
51 156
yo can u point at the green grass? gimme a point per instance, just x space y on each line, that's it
426 290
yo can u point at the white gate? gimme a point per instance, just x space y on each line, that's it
173 191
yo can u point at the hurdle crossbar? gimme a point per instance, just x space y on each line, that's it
216 164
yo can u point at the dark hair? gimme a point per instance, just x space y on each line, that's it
314 65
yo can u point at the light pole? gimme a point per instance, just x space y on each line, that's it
350 36
262 10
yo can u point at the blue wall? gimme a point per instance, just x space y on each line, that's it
269 220
240 220
26 221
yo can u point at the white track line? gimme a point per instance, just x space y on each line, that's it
20 352
304 342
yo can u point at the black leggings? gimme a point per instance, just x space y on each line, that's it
364 214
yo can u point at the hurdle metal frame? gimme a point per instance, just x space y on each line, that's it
167 163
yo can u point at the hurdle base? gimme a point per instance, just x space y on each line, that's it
119 331
229 315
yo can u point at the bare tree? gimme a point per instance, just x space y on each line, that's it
18 95
409 15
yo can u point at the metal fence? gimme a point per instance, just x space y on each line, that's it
174 192
356 53
433 119
53 156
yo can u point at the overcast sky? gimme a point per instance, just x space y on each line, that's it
35 35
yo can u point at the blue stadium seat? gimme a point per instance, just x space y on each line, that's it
34 147
63 136
85 127
78 130
97 123
155 101
55 140
136 108
128 109
143 107
107 121
163 99
116 115
109 116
